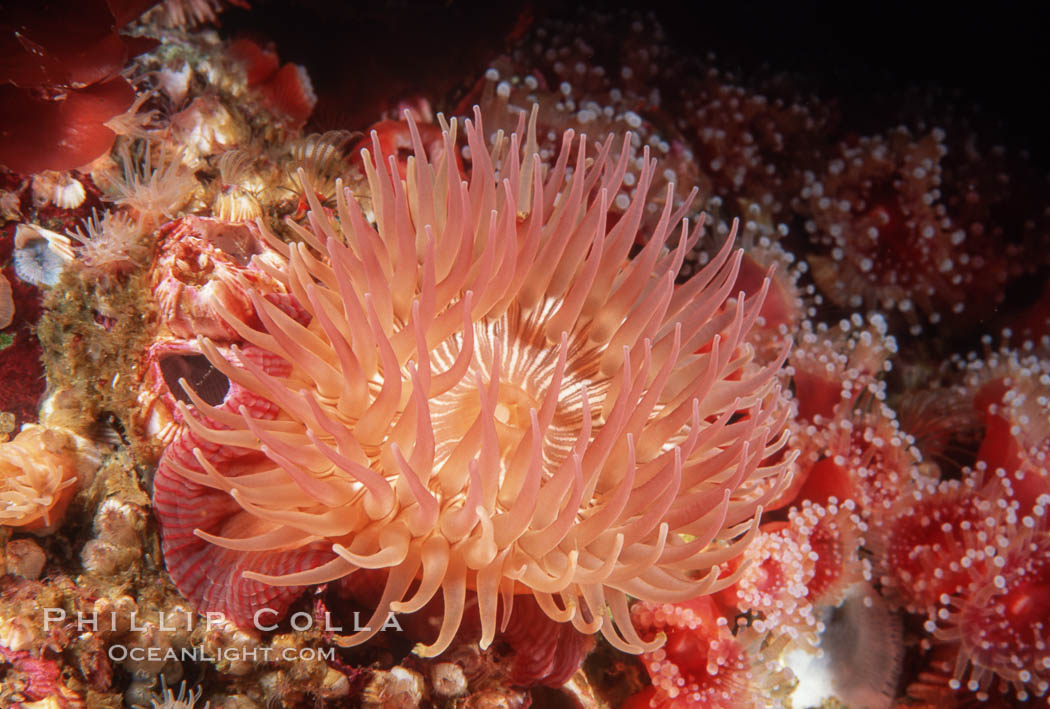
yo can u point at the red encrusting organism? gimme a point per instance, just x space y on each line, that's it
285 89
60 83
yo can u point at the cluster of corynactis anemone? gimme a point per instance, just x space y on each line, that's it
702 663
509 382
893 242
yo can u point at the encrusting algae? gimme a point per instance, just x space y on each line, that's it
598 376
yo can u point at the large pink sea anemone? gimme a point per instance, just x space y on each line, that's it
488 394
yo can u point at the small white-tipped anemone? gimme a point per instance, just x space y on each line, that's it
492 394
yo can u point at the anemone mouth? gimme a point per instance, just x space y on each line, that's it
513 357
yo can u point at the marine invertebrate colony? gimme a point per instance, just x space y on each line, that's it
482 391
703 664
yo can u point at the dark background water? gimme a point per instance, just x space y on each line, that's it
871 57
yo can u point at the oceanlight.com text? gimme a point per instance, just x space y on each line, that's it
119 653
